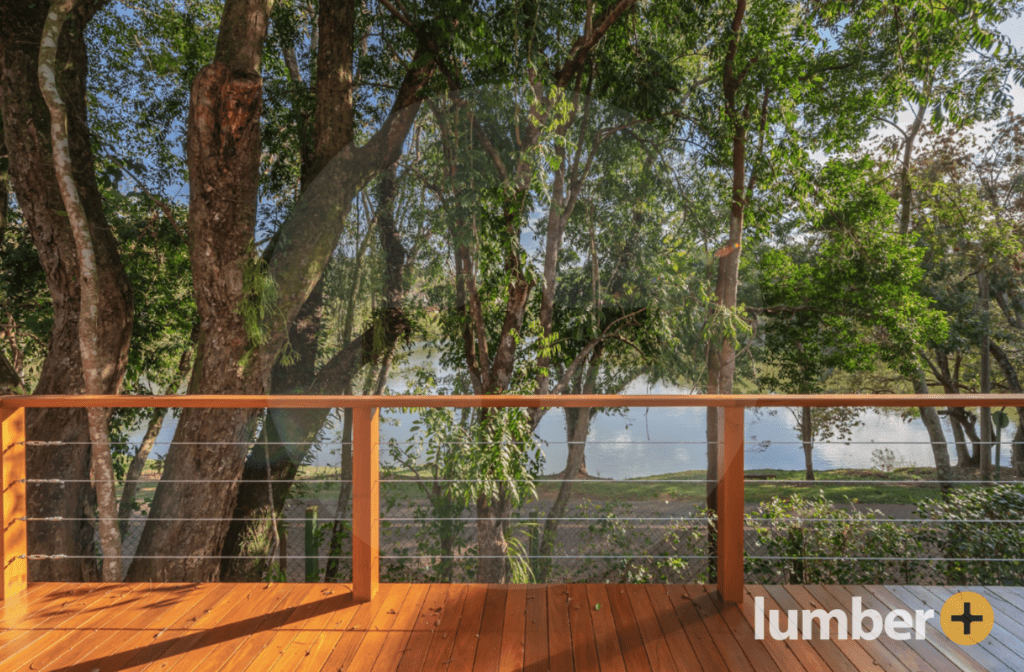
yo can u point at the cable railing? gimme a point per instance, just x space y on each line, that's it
728 545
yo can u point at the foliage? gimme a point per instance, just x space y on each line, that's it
616 536
844 295
979 523
794 532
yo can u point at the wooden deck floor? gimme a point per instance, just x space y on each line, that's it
410 628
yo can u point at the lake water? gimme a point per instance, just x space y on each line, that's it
641 442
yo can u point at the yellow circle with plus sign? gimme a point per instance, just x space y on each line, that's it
967 618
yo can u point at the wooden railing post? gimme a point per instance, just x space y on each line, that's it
13 541
365 503
730 507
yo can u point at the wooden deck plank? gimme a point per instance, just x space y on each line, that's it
429 616
825 649
286 628
852 650
237 616
678 644
732 615
559 632
693 625
23 616
263 638
609 653
150 650
344 650
950 651
54 638
439 651
873 648
365 656
658 654
310 615
337 625
1014 594
401 629
731 650
795 654
56 610
153 635
581 627
1003 606
535 640
918 655
116 623
513 632
430 613
631 643
961 655
25 604
488 654
415 651
245 605
467 637
333 599
59 621
999 641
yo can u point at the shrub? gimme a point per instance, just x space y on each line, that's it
792 533
964 540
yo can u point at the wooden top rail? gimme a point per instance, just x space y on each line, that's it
512 401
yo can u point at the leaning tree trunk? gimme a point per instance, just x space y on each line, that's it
295 431
235 355
34 182
229 283
102 467
963 455
933 424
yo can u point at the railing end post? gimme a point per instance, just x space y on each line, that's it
13 541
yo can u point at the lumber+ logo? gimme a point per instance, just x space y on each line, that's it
966 618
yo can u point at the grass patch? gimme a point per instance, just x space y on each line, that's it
840 486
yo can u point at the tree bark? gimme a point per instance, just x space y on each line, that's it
577 428
101 467
721 357
807 435
156 423
296 430
963 456
9 378
933 424
34 181
210 444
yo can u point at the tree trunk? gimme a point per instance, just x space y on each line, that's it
492 565
807 435
101 463
963 456
1017 454
722 354
295 431
34 181
960 416
577 427
933 424
229 285
236 357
